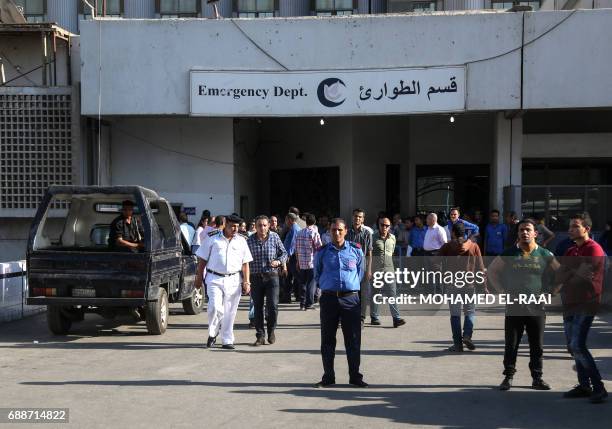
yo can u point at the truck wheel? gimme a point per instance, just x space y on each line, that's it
195 303
58 323
157 314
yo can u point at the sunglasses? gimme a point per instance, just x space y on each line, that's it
385 225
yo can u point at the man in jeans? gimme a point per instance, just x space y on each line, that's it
581 278
269 255
461 255
307 242
383 245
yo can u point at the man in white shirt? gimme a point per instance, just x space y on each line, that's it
187 230
435 236
225 256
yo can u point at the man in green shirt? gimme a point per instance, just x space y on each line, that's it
383 246
520 271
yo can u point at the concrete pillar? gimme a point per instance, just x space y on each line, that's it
507 163
65 13
294 7
139 9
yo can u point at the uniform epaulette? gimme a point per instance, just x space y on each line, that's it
213 233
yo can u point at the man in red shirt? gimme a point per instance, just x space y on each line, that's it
581 279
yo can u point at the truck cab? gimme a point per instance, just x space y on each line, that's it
73 269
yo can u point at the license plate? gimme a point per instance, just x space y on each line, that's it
87 293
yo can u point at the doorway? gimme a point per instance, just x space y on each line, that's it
440 187
315 190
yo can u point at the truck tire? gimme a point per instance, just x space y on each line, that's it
58 323
157 313
194 304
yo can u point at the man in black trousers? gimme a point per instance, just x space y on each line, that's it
339 268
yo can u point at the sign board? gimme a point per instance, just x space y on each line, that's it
327 93
189 211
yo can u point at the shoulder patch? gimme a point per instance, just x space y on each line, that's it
355 245
212 233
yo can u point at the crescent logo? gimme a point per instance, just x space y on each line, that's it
331 92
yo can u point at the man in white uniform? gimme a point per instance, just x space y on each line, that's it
225 256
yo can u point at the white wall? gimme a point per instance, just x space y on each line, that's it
186 160
570 65
145 63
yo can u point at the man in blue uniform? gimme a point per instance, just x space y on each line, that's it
339 267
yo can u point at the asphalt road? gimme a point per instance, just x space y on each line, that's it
113 374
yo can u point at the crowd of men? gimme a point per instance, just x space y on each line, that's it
331 263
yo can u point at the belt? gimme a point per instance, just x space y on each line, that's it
338 293
221 274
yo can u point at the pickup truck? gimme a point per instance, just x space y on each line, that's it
72 269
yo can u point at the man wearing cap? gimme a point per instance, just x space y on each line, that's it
225 256
339 268
126 232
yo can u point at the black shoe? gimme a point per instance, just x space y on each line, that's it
578 392
324 383
506 384
375 322
398 322
455 348
539 384
271 337
358 383
211 342
598 396
251 325
260 341
302 307
310 307
228 347
467 341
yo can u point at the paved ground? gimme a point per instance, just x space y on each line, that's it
112 374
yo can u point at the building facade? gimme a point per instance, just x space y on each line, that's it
528 128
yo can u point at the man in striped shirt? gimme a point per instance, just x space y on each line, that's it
307 242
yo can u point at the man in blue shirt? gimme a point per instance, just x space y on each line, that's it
417 236
471 230
496 235
339 268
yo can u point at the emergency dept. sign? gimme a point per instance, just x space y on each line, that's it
327 93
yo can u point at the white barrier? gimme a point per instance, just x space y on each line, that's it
13 292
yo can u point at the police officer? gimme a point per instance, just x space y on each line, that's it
225 256
339 268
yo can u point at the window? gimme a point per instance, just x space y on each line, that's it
255 8
178 8
505 5
114 8
333 7
33 10
411 6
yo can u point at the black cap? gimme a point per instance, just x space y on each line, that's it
233 219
